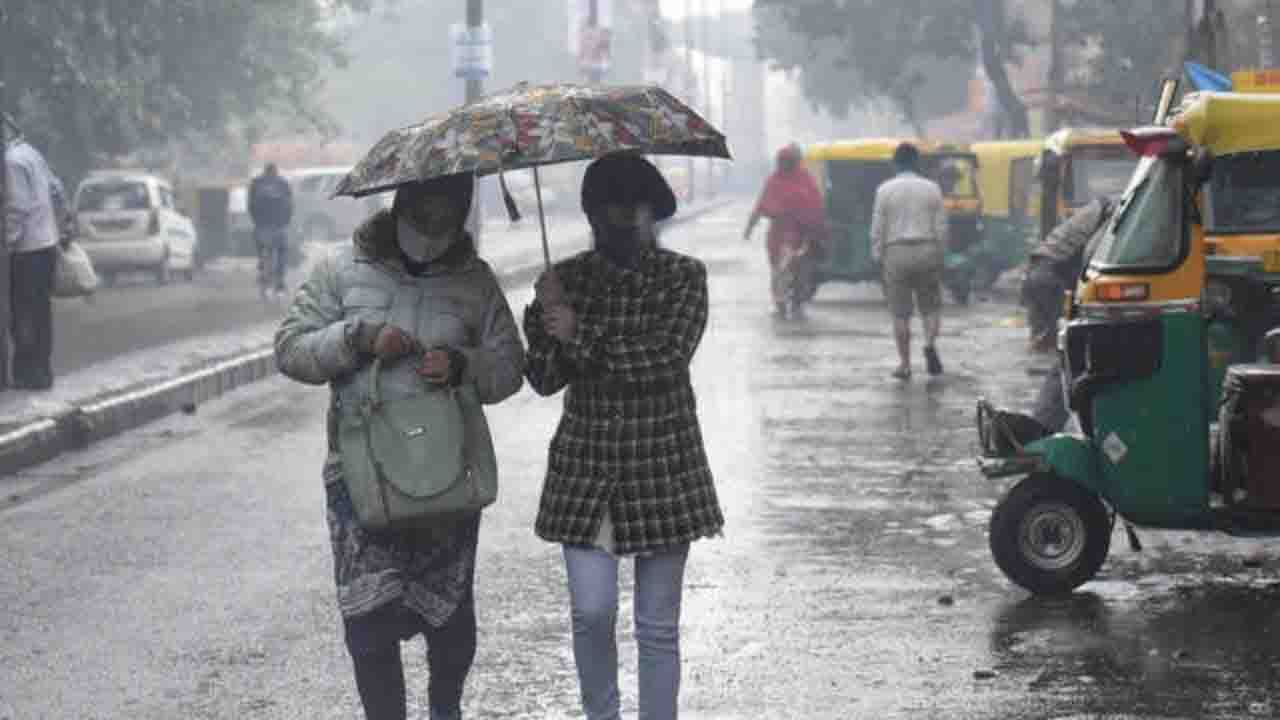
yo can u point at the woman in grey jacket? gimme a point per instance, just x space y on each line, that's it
410 289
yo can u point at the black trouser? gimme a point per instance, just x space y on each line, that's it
1051 402
31 296
374 643
1042 294
273 245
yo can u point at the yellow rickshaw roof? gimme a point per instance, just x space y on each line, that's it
1062 141
1006 149
875 148
1230 122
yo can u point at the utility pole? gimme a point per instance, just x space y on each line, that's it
594 74
706 86
1055 67
688 64
475 90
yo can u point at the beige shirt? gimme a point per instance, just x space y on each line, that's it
908 207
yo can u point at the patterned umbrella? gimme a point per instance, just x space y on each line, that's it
528 126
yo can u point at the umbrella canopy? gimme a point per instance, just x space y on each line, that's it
528 126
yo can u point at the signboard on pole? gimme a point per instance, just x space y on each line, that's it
591 39
471 51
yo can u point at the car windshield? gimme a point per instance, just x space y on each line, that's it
1147 233
1101 171
115 195
1244 193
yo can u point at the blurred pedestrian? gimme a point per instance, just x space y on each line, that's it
1054 266
32 241
412 291
627 474
908 234
271 208
797 230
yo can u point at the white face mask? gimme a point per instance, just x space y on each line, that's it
421 247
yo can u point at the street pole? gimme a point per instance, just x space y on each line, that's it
706 88
593 73
725 74
475 89
688 63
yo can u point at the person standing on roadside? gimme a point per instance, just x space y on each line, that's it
908 234
616 327
411 291
271 208
32 241
1054 266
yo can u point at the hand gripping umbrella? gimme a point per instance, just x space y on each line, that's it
529 126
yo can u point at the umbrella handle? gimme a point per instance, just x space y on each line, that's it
542 218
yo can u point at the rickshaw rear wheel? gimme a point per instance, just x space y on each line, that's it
1049 534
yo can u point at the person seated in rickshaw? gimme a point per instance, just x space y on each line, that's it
797 229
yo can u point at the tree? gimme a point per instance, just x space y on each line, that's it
849 49
91 80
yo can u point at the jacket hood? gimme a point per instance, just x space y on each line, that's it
375 239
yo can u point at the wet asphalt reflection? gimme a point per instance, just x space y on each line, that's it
184 570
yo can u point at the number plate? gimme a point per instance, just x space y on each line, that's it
1271 261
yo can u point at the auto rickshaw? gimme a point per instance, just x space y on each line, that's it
1179 421
1010 205
1077 165
848 173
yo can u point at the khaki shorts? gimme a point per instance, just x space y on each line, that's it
913 278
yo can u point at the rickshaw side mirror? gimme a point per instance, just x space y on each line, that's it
1201 165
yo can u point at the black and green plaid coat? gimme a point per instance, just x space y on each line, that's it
628 441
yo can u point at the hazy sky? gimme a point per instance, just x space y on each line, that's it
675 8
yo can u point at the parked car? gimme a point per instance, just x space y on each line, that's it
129 220
317 215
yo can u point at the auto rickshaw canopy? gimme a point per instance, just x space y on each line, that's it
1067 139
1228 123
996 159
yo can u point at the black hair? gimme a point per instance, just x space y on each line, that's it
906 156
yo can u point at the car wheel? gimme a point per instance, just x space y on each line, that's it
1049 534
164 273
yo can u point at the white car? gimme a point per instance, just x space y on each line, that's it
318 216
129 220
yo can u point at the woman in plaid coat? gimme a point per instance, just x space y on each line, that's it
626 474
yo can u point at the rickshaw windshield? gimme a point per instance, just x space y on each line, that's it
1098 172
955 174
1244 194
1147 234
1024 188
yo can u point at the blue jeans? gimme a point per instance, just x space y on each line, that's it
593 597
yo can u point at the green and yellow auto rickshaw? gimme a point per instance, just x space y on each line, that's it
1179 421
848 173
1010 205
1077 165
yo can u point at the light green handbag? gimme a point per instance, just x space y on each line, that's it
412 462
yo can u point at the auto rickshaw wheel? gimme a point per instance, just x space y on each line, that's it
1049 535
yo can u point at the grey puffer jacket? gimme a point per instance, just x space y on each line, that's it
457 303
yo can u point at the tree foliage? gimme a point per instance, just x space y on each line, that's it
95 78
850 49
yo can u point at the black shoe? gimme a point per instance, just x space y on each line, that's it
931 360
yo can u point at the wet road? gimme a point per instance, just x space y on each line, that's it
183 571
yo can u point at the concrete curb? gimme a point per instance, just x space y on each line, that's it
42 440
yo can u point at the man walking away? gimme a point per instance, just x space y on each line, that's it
271 208
908 234
32 239
1054 266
